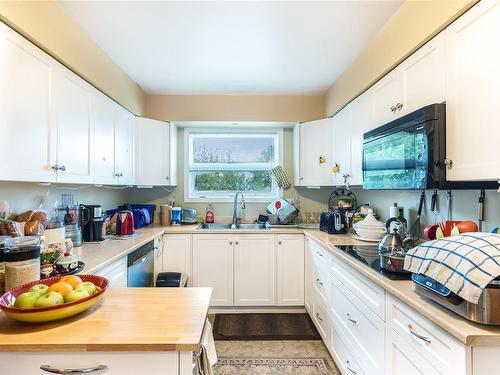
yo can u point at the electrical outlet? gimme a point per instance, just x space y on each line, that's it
67 200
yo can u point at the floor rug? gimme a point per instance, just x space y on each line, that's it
264 327
270 366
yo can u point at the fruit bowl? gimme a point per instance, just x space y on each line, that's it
56 312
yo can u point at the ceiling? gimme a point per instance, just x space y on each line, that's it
232 47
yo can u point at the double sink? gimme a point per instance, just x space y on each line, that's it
215 226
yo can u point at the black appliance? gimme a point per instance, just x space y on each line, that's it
140 262
334 222
341 203
368 255
92 220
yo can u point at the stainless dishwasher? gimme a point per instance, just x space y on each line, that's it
140 262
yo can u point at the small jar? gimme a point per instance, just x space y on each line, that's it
22 261
2 264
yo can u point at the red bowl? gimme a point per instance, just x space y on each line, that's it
45 314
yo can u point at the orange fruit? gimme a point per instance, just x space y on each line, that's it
72 280
62 288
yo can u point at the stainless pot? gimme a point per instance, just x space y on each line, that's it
392 252
393 263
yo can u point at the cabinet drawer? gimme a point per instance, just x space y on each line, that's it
116 273
320 255
321 318
321 284
343 355
440 349
362 327
366 290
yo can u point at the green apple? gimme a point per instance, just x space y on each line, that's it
26 300
41 289
88 286
75 295
49 299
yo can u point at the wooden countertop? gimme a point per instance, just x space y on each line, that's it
127 319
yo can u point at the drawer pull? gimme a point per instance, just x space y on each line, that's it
319 281
317 252
351 320
423 338
319 317
87 370
347 364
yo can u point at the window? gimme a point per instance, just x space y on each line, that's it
222 163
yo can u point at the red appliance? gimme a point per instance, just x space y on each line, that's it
125 223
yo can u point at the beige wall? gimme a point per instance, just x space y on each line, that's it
46 24
234 108
414 23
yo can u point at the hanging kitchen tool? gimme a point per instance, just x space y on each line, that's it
415 229
482 196
281 178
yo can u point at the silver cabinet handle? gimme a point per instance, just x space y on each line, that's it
236 243
280 243
399 106
55 167
448 163
120 174
393 109
423 338
230 242
301 178
317 252
166 178
62 168
87 370
158 251
347 364
319 281
350 319
319 317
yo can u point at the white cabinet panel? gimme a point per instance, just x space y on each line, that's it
473 78
290 269
361 122
342 146
103 115
213 266
424 75
152 152
316 153
71 98
308 277
387 98
177 254
27 132
116 273
124 146
254 270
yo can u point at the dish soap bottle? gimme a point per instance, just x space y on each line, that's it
209 215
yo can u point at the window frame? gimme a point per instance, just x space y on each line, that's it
191 197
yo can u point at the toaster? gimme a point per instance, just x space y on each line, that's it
334 222
188 216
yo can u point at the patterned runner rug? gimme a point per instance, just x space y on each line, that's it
270 366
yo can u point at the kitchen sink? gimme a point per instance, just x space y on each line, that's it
215 226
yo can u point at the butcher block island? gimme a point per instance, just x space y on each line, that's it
132 331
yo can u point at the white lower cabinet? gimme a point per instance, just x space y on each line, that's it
213 266
117 363
254 270
176 254
116 273
290 269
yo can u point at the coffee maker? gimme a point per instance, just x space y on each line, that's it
92 221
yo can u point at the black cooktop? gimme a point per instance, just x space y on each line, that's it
368 255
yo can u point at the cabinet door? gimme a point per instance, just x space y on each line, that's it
403 359
71 109
124 146
360 123
308 276
424 75
27 132
177 254
290 269
472 115
116 273
387 98
152 152
213 266
254 270
316 153
342 146
103 115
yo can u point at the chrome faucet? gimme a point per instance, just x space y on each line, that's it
235 209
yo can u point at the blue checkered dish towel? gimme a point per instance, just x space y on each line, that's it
465 264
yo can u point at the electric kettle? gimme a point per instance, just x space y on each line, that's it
124 223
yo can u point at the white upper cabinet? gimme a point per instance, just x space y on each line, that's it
103 114
360 123
315 148
473 97
28 136
341 123
124 146
152 156
424 75
387 98
71 97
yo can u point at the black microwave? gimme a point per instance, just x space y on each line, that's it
407 153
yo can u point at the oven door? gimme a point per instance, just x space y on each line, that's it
397 160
